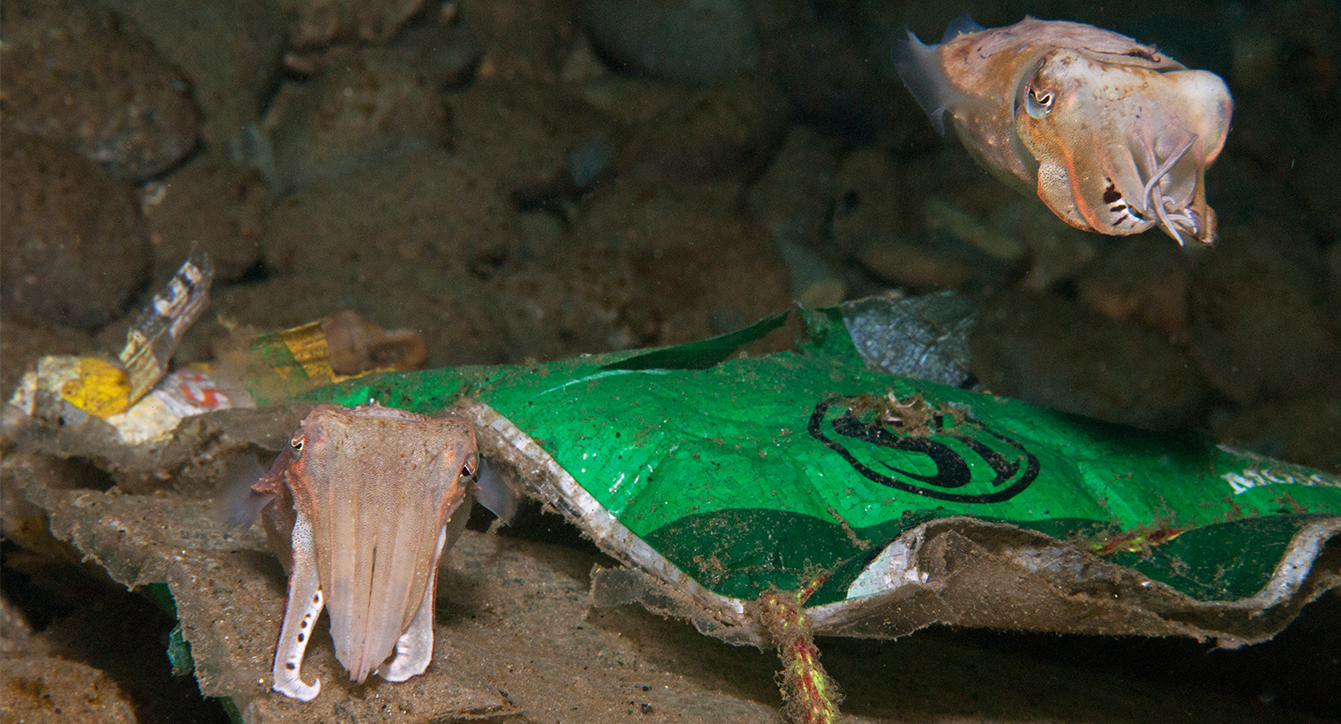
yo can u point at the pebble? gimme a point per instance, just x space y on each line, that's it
228 49
1255 317
369 104
1055 353
75 247
72 73
690 41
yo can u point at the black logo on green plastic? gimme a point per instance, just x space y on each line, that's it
972 463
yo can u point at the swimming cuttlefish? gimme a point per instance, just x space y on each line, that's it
1115 135
360 509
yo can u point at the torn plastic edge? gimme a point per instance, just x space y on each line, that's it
557 488
892 572
702 354
896 564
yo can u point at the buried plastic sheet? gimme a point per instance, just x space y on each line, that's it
913 502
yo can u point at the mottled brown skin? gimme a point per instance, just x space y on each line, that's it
366 501
989 66
1114 135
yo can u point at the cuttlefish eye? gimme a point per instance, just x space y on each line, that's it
1038 102
297 445
469 468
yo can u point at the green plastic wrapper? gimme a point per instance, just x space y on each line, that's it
717 477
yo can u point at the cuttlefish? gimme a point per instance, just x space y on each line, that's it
359 508
1115 135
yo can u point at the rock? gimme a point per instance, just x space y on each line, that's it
315 23
43 689
1332 263
357 346
230 51
793 199
426 207
697 272
582 299
798 187
1256 319
1319 194
368 105
910 266
408 242
73 74
1010 231
16 636
449 57
217 208
870 201
877 223
690 41
1056 251
1303 430
1052 352
445 56
727 131
75 247
586 164
521 41
631 101
521 137
1141 279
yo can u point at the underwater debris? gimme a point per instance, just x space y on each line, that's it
811 696
974 522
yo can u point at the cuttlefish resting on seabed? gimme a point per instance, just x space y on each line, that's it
1115 135
360 508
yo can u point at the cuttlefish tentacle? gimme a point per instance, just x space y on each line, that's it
300 616
1174 214
414 649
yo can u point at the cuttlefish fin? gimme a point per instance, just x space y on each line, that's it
245 489
962 25
300 617
494 493
919 67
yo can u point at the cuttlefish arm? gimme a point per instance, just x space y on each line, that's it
290 537
414 648
1121 149
300 616
391 594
